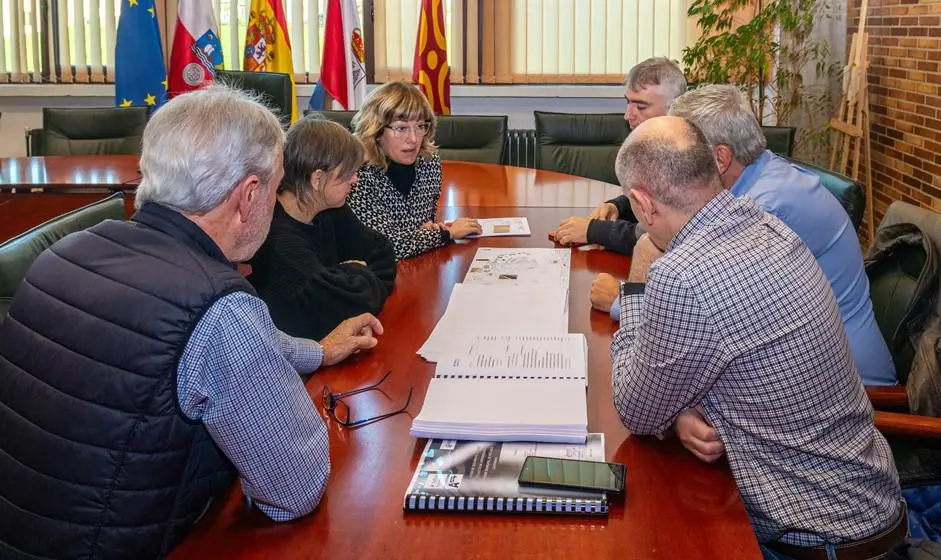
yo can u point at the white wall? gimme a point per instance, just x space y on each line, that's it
21 105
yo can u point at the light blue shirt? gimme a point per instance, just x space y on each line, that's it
797 198
238 375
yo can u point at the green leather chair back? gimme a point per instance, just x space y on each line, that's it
471 138
92 131
847 191
274 89
892 286
580 144
18 253
342 117
780 139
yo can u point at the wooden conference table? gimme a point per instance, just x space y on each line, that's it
676 507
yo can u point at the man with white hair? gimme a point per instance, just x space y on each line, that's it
139 373
650 88
738 319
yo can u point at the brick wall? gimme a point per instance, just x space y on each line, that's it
905 100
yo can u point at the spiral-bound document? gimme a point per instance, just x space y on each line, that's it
509 388
482 476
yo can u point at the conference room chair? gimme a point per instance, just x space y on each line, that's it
475 138
344 118
780 139
846 190
274 89
915 439
583 144
18 253
81 131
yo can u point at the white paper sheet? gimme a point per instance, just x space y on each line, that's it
503 227
520 267
480 309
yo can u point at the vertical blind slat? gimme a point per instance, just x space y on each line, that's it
629 41
296 22
645 47
232 52
565 37
598 37
79 53
613 61
312 39
110 11
4 33
380 24
65 43
548 44
94 41
35 39
18 55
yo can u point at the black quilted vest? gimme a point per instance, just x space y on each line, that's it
96 459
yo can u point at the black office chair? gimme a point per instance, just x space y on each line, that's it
580 144
88 131
780 139
344 118
474 138
274 89
846 190
18 253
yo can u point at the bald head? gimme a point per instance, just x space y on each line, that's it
671 160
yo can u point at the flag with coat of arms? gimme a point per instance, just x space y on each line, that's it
140 76
343 70
197 51
267 44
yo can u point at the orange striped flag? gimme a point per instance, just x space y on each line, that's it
430 69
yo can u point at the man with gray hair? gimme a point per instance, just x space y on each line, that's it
650 88
797 198
139 373
737 318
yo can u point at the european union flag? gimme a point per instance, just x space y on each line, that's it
140 76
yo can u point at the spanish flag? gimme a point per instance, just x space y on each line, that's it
430 69
267 44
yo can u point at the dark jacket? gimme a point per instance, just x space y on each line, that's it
901 248
299 271
97 460
618 235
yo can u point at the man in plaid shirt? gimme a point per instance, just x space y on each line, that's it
738 319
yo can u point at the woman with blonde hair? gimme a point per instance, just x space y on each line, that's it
399 185
320 265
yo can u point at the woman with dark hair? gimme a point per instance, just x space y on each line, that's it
320 264
400 183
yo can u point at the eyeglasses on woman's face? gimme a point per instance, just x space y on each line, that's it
401 130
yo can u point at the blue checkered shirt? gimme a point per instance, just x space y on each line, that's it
239 376
738 317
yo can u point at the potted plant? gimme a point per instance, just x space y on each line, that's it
769 49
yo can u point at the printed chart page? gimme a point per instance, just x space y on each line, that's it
520 356
520 267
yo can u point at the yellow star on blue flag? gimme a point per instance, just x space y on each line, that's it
139 71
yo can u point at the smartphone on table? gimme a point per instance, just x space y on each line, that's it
572 474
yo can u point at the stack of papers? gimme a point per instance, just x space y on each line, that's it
507 368
510 388
482 309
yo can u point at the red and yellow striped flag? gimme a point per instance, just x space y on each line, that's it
430 69
267 44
